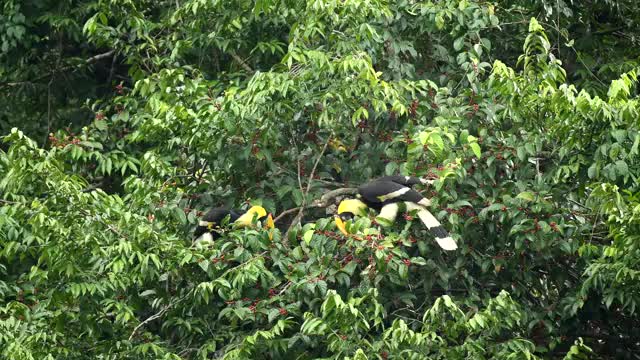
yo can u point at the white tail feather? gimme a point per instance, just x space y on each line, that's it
447 243
430 221
389 212
204 238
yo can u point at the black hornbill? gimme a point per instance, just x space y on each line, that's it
386 195
210 225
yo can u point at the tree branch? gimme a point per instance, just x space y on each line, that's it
323 202
240 61
149 319
88 61
298 217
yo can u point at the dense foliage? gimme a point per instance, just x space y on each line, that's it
123 120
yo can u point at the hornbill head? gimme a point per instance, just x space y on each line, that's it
255 212
347 210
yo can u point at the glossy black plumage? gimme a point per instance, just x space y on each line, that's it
388 195
216 216
373 193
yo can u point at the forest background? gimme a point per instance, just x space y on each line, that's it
123 120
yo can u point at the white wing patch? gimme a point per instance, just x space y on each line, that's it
447 243
204 238
389 212
394 194
425 202
427 181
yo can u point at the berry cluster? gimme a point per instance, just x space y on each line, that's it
61 143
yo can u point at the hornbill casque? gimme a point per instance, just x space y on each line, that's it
386 195
210 225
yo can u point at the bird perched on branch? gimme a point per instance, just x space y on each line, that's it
212 223
387 195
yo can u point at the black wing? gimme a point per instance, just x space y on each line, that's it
402 180
215 216
379 193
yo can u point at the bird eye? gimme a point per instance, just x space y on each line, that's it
346 216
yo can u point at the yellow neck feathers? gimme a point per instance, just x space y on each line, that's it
354 206
247 218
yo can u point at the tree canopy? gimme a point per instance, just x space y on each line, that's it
123 121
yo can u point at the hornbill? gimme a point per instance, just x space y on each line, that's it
386 195
211 223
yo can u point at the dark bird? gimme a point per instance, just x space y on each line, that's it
212 223
387 195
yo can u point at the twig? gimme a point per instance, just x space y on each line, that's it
332 183
10 202
286 212
299 179
46 134
581 205
298 217
324 201
313 171
88 61
149 319
285 288
112 70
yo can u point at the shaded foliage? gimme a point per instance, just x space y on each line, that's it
155 111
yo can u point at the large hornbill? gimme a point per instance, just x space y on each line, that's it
211 223
386 195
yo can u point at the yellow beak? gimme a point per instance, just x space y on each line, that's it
341 225
270 225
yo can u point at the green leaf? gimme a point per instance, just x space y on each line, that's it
391 168
526 195
458 44
204 265
592 171
179 213
297 196
437 140
476 149
308 235
350 267
622 168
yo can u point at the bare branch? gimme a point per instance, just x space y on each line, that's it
324 201
88 61
330 195
286 212
298 217
112 69
240 61
149 319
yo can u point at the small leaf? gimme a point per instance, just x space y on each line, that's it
308 235
622 168
437 139
391 168
476 149
458 43
297 196
526 195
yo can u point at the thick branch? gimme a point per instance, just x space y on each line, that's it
88 61
330 195
324 201
241 62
